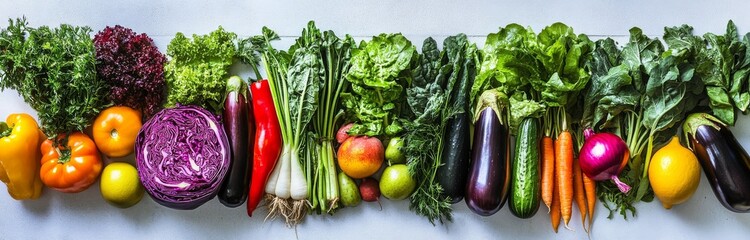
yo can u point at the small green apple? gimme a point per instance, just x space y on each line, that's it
396 183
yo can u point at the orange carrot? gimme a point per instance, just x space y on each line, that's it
579 193
548 171
555 209
590 186
564 170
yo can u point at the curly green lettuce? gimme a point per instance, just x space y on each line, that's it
197 69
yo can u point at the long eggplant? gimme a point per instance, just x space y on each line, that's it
233 191
724 160
451 175
487 184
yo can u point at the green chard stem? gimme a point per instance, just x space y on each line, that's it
649 153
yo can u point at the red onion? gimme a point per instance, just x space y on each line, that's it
603 156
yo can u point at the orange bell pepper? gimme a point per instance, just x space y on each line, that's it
20 138
115 130
73 165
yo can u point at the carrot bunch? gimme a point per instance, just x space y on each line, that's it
563 181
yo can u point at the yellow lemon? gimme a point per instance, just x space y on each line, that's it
674 173
120 185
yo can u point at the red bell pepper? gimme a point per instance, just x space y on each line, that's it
267 147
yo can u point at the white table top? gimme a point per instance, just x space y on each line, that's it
85 215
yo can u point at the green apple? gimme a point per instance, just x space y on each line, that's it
396 183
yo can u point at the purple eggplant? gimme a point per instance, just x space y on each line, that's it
489 174
724 161
233 191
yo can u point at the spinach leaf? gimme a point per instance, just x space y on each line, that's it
673 90
378 75
605 56
434 78
724 68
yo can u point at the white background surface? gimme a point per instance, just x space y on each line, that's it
86 216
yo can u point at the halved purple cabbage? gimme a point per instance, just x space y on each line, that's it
182 155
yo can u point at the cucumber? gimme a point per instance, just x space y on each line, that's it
525 188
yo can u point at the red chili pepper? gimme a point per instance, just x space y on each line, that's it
267 142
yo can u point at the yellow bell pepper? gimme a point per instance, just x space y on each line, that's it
20 156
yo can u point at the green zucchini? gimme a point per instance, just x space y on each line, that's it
525 187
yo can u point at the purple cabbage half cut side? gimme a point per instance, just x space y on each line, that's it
182 156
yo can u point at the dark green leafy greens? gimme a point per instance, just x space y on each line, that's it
604 85
435 77
563 56
507 61
54 70
509 65
378 75
557 74
724 67
641 94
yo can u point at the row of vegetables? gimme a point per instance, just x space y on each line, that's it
591 120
